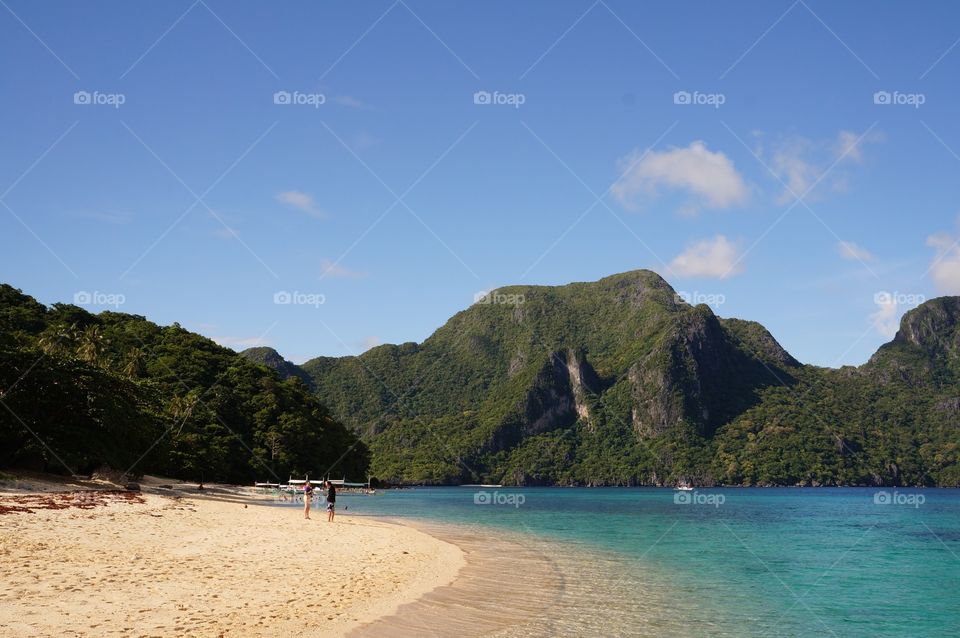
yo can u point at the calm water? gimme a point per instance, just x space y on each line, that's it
732 562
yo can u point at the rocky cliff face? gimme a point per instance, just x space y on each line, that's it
932 326
558 397
926 349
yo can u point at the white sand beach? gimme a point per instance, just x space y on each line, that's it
216 564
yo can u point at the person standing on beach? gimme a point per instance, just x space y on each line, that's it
307 496
331 501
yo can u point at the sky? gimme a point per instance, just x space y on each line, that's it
322 177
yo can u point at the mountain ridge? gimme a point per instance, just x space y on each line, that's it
620 381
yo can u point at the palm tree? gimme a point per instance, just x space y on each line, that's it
59 342
133 368
91 345
182 408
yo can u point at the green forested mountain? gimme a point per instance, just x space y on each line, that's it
620 382
79 391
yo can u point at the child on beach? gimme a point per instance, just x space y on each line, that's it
331 500
307 496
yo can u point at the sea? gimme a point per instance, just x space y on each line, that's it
708 562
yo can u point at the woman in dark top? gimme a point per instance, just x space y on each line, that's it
331 501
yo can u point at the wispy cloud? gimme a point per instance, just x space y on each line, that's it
332 270
106 218
884 318
852 252
363 140
802 163
240 342
351 102
302 202
716 258
225 232
369 342
945 267
709 177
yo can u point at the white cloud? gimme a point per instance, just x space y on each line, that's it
334 270
885 317
709 177
300 201
852 252
945 267
802 163
716 258
369 342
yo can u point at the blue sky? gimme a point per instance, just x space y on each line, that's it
785 191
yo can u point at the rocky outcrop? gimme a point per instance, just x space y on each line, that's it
932 326
271 358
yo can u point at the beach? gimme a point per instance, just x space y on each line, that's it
217 563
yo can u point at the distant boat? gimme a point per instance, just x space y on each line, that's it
481 485
684 487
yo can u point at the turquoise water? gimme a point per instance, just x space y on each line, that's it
737 562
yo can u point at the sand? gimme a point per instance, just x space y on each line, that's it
206 565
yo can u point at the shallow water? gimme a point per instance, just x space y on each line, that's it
726 562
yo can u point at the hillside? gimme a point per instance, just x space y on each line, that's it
81 391
270 358
620 382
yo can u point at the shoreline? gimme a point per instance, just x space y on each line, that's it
503 588
221 562
227 561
